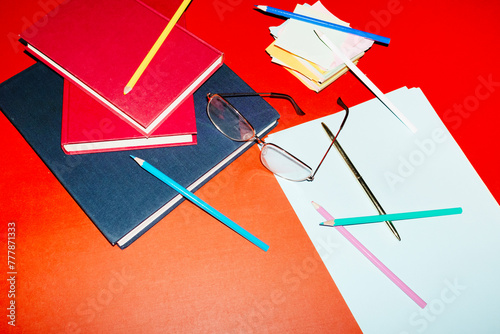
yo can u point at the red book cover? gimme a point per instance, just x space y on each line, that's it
89 127
98 45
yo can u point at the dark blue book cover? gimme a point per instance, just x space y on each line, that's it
112 190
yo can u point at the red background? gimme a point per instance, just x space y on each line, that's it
188 274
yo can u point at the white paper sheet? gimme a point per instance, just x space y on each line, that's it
452 262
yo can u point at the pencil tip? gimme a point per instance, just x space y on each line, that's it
126 90
330 222
315 205
138 160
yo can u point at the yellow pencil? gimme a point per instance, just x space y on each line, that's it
144 64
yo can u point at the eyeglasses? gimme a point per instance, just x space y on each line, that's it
229 121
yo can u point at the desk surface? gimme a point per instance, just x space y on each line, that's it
188 274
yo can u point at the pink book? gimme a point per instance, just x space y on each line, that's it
89 127
98 45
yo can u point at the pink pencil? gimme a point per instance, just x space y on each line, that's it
420 302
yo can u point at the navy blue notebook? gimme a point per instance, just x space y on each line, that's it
112 190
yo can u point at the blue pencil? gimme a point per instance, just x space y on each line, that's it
326 24
200 203
392 216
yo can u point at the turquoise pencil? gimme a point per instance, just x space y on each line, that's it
392 216
200 203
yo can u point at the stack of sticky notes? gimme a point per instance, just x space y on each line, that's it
299 50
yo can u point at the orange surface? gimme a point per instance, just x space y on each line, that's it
189 273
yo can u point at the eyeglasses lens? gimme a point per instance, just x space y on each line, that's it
283 164
228 120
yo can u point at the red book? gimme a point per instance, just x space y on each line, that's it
89 127
98 46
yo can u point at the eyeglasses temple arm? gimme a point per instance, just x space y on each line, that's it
322 159
298 110
330 134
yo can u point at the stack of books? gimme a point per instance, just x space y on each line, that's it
97 46
299 50
71 108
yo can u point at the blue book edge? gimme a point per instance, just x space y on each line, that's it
112 191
